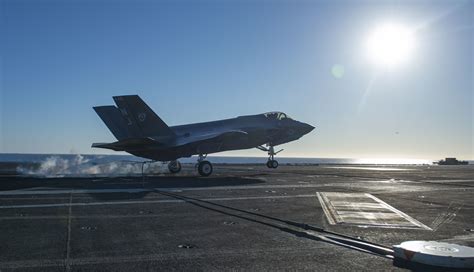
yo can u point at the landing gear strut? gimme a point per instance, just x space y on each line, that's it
271 163
174 167
204 167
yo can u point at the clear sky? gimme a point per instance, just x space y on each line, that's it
196 61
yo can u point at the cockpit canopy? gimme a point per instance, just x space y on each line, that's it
276 115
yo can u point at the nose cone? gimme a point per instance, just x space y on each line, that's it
306 128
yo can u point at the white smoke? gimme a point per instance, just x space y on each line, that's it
78 166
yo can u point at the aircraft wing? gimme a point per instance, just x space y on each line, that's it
209 137
131 144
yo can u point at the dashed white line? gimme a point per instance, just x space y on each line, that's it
39 191
150 201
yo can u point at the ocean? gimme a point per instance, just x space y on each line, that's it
81 165
99 159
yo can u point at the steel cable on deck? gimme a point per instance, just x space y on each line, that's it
310 231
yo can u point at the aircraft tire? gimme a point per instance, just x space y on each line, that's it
174 167
269 164
205 168
274 163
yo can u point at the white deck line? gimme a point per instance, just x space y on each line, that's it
149 201
43 191
402 214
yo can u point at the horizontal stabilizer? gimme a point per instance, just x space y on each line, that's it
129 144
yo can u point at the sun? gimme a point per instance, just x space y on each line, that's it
391 44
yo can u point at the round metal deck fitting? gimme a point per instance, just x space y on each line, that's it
435 254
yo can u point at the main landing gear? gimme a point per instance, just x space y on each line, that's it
174 167
204 167
271 163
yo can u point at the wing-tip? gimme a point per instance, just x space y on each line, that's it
122 97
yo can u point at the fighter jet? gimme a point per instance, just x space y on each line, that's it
140 132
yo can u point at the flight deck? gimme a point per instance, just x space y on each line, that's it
243 217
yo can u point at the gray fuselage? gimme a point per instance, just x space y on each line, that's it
242 132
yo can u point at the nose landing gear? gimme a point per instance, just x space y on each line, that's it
271 163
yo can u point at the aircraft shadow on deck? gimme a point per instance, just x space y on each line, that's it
98 183
175 182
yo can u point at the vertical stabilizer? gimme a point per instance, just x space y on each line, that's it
112 118
137 114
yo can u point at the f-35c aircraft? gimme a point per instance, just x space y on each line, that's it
142 133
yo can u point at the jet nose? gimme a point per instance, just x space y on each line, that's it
306 128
